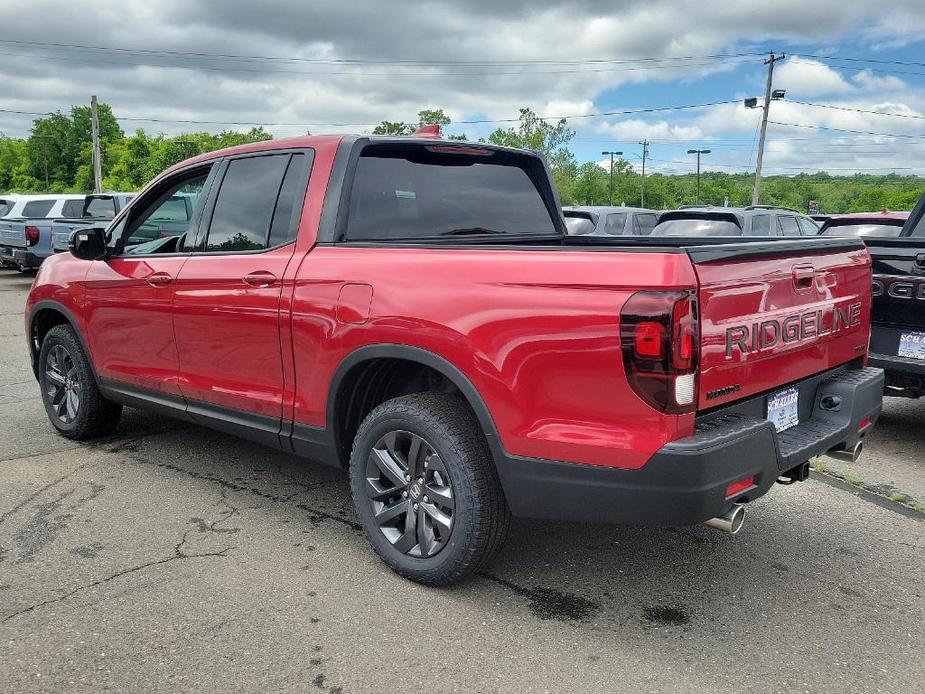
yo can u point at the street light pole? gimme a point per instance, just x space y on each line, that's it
698 152
611 171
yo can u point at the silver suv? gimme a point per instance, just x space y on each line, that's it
755 220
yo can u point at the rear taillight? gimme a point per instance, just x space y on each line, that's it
659 335
32 235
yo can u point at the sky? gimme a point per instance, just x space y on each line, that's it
321 66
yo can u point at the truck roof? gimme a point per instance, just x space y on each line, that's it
314 141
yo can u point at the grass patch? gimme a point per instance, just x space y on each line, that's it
898 496
852 480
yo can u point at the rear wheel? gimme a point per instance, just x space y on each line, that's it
72 399
425 489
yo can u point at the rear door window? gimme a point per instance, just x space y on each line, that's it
37 208
615 223
761 225
72 208
788 225
643 224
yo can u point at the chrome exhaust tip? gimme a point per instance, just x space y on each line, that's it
849 455
731 521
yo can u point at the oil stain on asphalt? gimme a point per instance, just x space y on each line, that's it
547 603
667 616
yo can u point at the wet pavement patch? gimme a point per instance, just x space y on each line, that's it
667 616
547 603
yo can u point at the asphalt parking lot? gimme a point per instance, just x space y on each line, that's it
170 558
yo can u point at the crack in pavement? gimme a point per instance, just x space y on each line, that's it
35 494
178 555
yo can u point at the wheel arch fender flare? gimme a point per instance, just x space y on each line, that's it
57 307
426 358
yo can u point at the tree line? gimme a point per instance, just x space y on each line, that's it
57 156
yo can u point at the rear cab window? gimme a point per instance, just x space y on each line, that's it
695 226
861 228
103 208
413 192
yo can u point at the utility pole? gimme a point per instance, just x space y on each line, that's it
97 166
44 139
698 152
611 171
768 95
645 155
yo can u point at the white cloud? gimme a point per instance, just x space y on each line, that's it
634 129
803 77
868 81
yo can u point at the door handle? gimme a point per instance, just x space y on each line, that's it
159 279
803 276
260 278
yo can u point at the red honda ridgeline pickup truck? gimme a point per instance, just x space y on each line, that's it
413 310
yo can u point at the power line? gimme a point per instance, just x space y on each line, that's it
845 130
861 60
366 61
603 114
858 110
354 73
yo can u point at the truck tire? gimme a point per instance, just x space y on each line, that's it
425 489
72 399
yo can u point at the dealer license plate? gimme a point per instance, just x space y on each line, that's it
912 345
784 408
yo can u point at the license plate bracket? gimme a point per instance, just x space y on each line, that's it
783 409
911 345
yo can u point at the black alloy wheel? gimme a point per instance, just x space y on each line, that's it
411 493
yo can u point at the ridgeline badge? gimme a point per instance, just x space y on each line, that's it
799 327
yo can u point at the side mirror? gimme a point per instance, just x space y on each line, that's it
88 243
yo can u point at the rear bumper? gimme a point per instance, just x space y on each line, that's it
904 376
27 260
19 257
6 256
685 482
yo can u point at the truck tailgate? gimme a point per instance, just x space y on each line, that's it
61 231
770 316
13 233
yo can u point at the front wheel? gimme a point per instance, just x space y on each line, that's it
72 399
425 489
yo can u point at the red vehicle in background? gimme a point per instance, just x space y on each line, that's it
412 309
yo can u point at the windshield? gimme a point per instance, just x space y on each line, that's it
416 192
5 207
696 227
863 229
